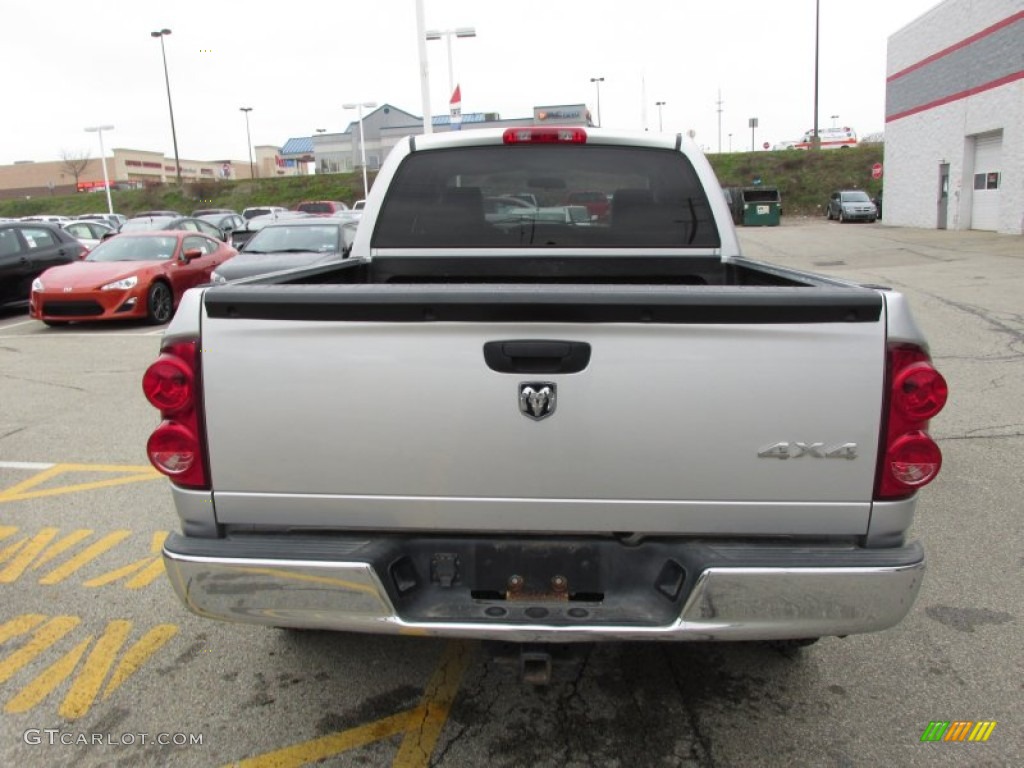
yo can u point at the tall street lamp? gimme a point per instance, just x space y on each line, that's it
659 105
103 160
362 143
174 135
437 34
597 82
815 138
248 141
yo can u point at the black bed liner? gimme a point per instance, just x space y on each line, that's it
665 290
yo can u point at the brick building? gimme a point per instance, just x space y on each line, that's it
132 167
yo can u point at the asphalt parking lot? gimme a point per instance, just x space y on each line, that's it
99 661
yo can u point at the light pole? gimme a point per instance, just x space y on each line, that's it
815 138
437 34
597 82
752 123
103 161
730 142
248 141
659 105
362 143
421 51
174 136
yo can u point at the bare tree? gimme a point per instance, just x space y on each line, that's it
75 162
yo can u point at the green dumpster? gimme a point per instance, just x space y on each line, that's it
762 207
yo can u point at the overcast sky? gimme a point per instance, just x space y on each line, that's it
75 63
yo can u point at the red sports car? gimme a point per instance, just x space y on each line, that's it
129 276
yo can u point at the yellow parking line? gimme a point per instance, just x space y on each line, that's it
45 683
61 547
44 637
20 625
79 487
143 468
25 551
118 573
22 491
32 482
152 572
419 742
136 656
422 726
334 744
89 681
87 555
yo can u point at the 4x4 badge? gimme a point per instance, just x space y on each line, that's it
537 399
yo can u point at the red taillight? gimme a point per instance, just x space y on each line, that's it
919 391
173 449
909 458
168 384
544 135
177 447
914 459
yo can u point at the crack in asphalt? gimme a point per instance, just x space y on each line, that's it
979 312
16 431
702 741
45 383
981 437
568 701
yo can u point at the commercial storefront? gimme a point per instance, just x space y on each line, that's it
133 168
387 125
954 136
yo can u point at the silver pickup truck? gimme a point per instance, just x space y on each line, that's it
508 427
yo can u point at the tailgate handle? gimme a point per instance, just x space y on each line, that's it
529 356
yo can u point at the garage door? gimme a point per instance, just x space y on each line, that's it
988 178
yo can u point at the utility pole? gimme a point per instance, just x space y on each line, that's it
816 139
719 121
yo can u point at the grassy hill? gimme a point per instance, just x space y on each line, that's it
804 179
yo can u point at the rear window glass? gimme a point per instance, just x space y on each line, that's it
635 197
316 208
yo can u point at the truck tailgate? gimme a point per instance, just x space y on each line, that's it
761 422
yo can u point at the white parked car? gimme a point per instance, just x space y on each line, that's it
88 233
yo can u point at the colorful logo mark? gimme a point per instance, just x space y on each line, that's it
958 730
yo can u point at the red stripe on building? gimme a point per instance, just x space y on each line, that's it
957 46
957 96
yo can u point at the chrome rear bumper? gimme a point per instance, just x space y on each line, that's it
723 603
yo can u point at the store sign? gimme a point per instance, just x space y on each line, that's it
570 113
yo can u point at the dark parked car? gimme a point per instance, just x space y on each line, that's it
141 214
27 249
155 223
851 205
287 244
323 207
227 223
261 210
